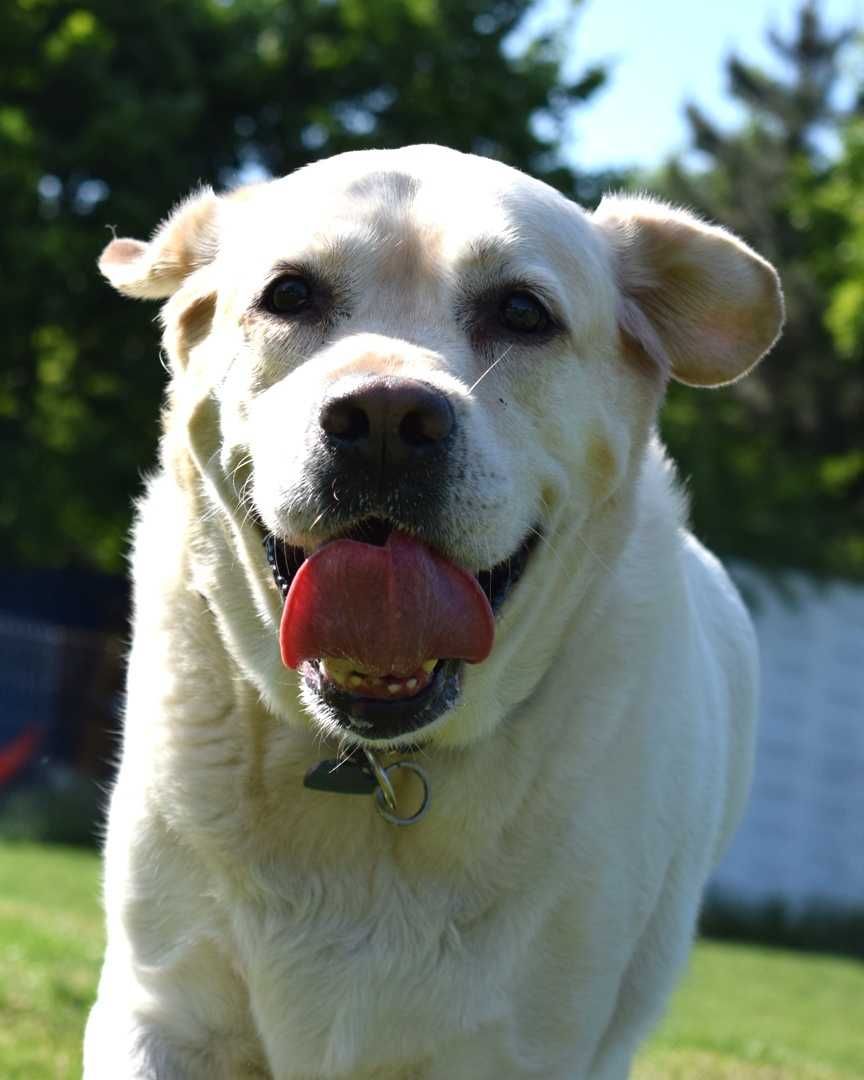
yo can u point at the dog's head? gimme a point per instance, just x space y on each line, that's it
430 381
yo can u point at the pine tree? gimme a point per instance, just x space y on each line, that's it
772 461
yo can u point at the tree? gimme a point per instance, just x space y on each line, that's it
774 461
110 112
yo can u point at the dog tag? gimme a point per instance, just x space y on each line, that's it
341 777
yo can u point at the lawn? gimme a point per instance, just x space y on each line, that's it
764 1014
50 947
742 1012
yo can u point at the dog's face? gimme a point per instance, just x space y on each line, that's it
430 381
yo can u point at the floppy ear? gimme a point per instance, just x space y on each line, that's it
183 243
695 298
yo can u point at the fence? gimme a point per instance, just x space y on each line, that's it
59 694
802 839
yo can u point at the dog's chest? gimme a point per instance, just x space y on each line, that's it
353 974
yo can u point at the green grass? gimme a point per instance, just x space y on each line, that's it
50 949
742 1013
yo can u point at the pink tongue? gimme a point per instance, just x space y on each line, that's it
386 608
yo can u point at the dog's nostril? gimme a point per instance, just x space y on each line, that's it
345 420
430 421
389 423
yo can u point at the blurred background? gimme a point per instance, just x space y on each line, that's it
750 112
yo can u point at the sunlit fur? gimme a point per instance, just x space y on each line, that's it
534 923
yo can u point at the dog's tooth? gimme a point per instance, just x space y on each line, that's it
411 684
429 666
337 669
355 680
331 671
394 687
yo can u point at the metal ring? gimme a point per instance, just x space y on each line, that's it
381 779
381 798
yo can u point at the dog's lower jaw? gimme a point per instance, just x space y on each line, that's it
342 733
381 722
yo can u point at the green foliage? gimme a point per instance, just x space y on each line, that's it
775 463
109 112
840 200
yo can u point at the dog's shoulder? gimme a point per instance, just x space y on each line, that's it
704 636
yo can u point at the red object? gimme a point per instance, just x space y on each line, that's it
15 755
386 608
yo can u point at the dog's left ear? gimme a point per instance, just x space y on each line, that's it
186 241
703 305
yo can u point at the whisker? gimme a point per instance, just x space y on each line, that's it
421 751
341 755
494 364
320 517
543 539
591 551
250 513
241 464
246 501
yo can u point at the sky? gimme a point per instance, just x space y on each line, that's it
660 54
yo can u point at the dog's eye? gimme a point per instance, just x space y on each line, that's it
288 295
523 313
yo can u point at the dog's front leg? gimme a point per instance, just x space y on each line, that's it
120 1045
176 1012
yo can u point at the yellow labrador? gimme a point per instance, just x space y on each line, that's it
437 716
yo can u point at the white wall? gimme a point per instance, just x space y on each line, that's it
802 839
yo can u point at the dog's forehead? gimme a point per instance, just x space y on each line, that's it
447 202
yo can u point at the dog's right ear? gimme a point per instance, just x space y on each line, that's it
696 300
186 241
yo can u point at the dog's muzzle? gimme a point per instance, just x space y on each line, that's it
384 446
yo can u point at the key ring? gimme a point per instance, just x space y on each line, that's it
385 796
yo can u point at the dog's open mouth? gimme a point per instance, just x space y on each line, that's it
380 625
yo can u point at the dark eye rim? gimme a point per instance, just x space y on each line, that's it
267 296
317 307
545 318
481 317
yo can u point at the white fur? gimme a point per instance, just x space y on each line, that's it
534 923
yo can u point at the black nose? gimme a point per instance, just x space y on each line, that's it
389 422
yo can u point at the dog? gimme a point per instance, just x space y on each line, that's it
437 716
